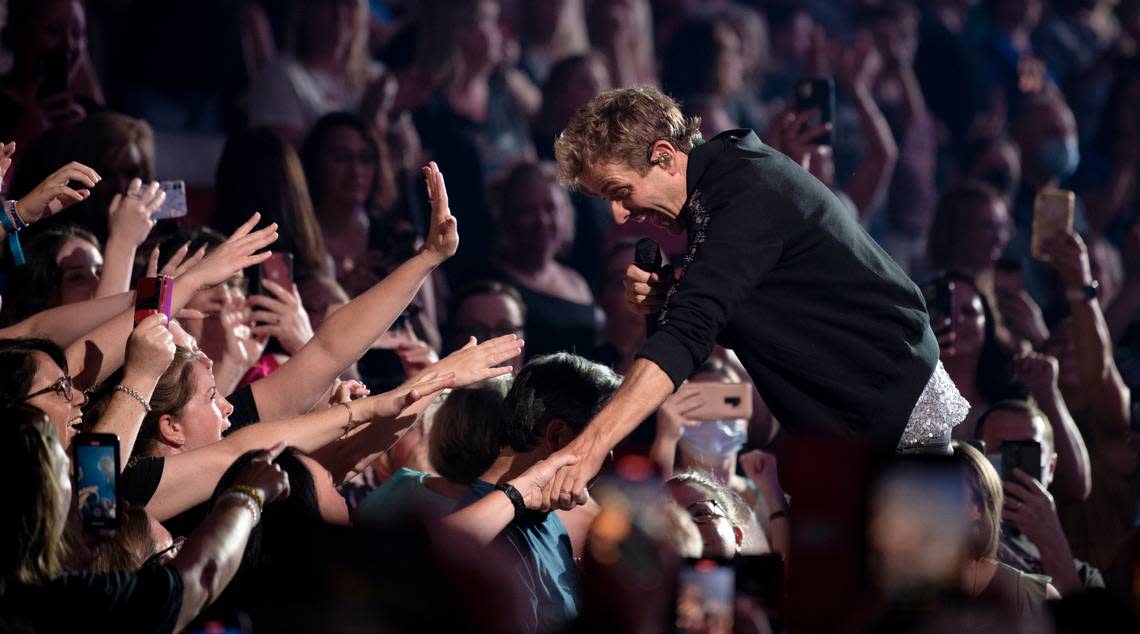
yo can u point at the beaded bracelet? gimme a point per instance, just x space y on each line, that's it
247 500
250 491
135 395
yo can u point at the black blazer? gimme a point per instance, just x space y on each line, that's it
834 334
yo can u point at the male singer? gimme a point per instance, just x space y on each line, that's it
833 333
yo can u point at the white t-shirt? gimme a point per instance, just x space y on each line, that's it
288 95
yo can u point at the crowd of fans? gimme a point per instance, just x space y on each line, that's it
333 452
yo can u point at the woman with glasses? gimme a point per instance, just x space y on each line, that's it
158 598
714 508
363 215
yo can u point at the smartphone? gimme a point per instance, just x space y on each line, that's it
722 401
706 590
97 479
939 297
175 204
817 93
55 68
1021 454
1052 214
278 269
153 295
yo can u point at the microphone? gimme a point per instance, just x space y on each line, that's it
647 257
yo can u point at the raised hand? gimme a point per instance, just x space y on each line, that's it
474 363
239 251
389 404
761 468
1069 256
443 234
178 262
150 348
129 216
1039 373
54 194
6 152
281 316
673 415
265 477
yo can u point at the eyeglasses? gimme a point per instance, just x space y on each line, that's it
705 511
63 386
167 554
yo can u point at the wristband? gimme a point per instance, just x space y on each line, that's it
515 497
777 515
351 424
250 491
135 395
12 230
14 211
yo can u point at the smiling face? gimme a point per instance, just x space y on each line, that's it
658 196
65 415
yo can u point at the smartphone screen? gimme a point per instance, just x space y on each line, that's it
175 204
818 94
153 295
1053 211
706 589
97 478
1021 454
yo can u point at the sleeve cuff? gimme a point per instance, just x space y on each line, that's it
672 356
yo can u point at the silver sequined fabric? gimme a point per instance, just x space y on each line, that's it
938 410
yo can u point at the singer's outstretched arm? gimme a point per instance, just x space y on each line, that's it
646 386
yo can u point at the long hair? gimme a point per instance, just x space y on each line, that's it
34 287
171 394
31 544
259 171
383 192
984 486
18 367
301 38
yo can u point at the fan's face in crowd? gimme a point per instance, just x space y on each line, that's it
347 167
969 320
713 523
206 416
487 316
64 413
80 266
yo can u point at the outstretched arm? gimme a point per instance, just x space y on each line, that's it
347 334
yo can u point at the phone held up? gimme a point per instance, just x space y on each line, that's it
818 94
153 295
1053 211
278 268
97 479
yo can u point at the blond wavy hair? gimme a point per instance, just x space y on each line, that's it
620 126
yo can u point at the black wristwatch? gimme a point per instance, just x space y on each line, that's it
515 497
1086 293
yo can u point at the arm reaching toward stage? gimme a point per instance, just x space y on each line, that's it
645 387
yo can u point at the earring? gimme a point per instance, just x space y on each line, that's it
180 441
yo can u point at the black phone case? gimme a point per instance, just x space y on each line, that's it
1020 454
817 93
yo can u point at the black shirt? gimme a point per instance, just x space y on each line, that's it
833 333
145 601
